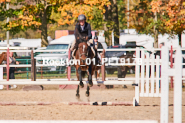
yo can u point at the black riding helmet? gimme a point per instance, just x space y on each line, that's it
81 17
96 37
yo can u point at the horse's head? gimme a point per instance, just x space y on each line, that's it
83 51
4 55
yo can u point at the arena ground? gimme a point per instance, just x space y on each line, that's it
149 108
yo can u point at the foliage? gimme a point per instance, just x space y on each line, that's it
71 9
122 14
170 16
143 17
173 12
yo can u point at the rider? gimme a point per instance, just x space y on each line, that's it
84 29
97 46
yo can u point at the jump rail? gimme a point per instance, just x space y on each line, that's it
78 121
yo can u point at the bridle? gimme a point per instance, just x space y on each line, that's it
83 53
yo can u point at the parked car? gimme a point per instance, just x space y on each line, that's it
113 54
117 54
63 43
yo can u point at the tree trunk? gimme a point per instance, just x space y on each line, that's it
116 21
155 32
107 18
111 15
180 38
44 35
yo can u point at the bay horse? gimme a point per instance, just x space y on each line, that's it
83 54
122 70
97 69
3 57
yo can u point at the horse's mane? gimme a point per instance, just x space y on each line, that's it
80 38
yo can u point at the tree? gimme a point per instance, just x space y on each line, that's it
34 14
159 16
145 20
174 14
122 14
4 13
93 9
37 14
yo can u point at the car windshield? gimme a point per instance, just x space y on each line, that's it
57 47
114 53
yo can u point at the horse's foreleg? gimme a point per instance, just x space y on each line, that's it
90 77
77 92
80 77
88 92
96 75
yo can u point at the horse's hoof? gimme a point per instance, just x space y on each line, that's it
77 96
87 94
90 84
81 84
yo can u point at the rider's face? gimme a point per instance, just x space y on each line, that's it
82 22
95 40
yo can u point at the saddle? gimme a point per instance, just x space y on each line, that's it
76 47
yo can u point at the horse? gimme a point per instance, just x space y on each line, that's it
3 57
122 70
83 56
97 70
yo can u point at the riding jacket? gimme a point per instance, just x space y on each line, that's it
85 31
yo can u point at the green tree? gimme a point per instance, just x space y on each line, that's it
34 14
173 12
145 21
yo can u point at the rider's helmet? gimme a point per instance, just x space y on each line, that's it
81 17
96 37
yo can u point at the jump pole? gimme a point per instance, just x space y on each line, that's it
66 103
33 67
103 66
7 67
69 68
68 72
7 38
171 66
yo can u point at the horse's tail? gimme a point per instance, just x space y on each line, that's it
83 73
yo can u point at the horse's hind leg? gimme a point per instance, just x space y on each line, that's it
96 75
90 77
80 77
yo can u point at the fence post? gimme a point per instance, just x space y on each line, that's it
164 85
171 66
103 66
7 67
137 72
178 87
1 76
33 67
69 68
27 69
